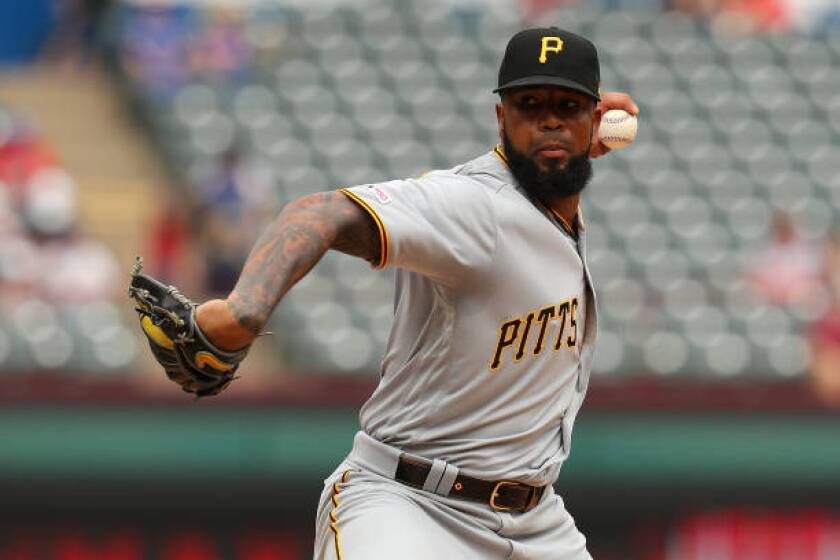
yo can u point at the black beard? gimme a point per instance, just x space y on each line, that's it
553 183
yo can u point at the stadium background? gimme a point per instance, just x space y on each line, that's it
174 129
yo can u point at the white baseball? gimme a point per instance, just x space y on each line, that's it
618 129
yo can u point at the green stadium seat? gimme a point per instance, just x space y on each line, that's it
303 178
766 162
789 356
351 349
358 175
623 298
704 324
284 151
727 354
672 26
624 211
195 103
647 242
606 263
611 355
352 76
213 136
665 352
648 159
295 74
689 53
312 102
254 104
808 61
615 24
749 55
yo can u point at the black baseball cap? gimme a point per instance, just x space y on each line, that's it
550 56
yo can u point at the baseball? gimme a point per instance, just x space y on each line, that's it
618 129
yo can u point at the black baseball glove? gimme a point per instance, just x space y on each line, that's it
168 321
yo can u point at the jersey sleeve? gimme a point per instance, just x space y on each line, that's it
440 225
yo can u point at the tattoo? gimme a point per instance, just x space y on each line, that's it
292 244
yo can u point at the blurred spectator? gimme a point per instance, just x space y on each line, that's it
532 9
748 16
233 206
788 270
706 8
167 245
22 153
223 212
74 39
156 42
79 270
815 15
221 54
19 263
42 253
740 16
825 357
49 203
825 333
163 48
762 15
831 265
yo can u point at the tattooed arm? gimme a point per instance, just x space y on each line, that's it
289 247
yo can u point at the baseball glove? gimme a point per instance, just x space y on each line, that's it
168 321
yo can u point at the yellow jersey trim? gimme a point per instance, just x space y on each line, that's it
334 515
573 231
500 153
384 242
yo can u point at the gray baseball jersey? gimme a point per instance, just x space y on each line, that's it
490 352
494 329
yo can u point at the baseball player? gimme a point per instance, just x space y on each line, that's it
495 321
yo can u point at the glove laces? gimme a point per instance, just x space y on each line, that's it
179 297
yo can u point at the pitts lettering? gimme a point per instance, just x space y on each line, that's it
516 332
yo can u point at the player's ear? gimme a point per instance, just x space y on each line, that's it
500 118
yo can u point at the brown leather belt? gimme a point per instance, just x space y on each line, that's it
501 495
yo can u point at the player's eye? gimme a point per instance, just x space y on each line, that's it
529 103
569 105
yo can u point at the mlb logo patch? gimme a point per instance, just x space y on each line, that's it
380 195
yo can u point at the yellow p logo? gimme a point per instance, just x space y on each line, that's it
550 44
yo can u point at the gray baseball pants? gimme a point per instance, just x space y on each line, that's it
364 514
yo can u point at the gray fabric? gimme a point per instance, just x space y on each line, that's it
379 519
375 456
473 254
382 459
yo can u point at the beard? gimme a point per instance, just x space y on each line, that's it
555 182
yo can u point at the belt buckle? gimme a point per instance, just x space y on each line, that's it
495 494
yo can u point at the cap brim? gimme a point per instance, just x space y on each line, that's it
548 81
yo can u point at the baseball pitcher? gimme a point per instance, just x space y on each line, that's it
494 331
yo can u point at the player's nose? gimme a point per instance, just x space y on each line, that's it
550 120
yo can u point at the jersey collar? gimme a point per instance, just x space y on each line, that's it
499 152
